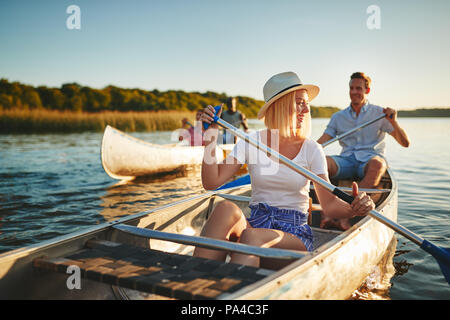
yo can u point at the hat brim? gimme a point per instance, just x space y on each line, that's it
312 90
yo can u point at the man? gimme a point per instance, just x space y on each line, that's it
362 155
233 117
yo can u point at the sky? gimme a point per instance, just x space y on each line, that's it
234 46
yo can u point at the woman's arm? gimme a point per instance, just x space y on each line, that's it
334 207
215 174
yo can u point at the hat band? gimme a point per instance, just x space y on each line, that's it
285 89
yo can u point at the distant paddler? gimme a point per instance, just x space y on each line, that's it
234 117
363 152
193 134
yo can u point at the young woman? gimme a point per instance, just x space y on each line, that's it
280 199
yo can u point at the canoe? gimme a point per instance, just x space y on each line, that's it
125 157
149 256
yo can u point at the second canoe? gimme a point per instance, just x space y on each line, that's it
125 157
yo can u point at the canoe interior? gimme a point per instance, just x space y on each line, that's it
25 266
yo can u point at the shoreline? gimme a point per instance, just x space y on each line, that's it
41 121
46 121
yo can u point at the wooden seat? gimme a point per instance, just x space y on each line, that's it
152 271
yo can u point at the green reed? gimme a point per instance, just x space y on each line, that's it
46 121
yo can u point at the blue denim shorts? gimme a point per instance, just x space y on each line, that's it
349 168
287 220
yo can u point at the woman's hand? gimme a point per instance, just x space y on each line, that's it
362 203
208 116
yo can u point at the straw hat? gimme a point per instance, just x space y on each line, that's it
282 84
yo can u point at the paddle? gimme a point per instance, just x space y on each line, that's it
442 255
246 179
338 137
238 182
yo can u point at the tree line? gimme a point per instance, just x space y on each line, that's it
77 98
431 112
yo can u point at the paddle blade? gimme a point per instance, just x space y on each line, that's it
236 183
442 256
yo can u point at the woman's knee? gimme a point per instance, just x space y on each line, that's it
226 210
225 220
249 236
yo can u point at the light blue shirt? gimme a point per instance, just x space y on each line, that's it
366 142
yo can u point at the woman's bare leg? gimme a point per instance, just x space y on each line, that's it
226 222
267 238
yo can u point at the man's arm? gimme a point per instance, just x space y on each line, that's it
324 138
331 129
398 133
244 122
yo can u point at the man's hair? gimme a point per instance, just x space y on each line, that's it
361 75
230 100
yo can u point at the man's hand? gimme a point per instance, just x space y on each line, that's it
391 115
398 133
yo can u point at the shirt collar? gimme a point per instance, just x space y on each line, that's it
363 109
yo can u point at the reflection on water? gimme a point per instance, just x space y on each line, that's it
135 196
401 265
378 283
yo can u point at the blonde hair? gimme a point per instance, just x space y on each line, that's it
282 115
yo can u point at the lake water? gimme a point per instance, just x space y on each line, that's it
52 185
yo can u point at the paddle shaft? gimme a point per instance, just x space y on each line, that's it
338 137
210 243
325 184
366 190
